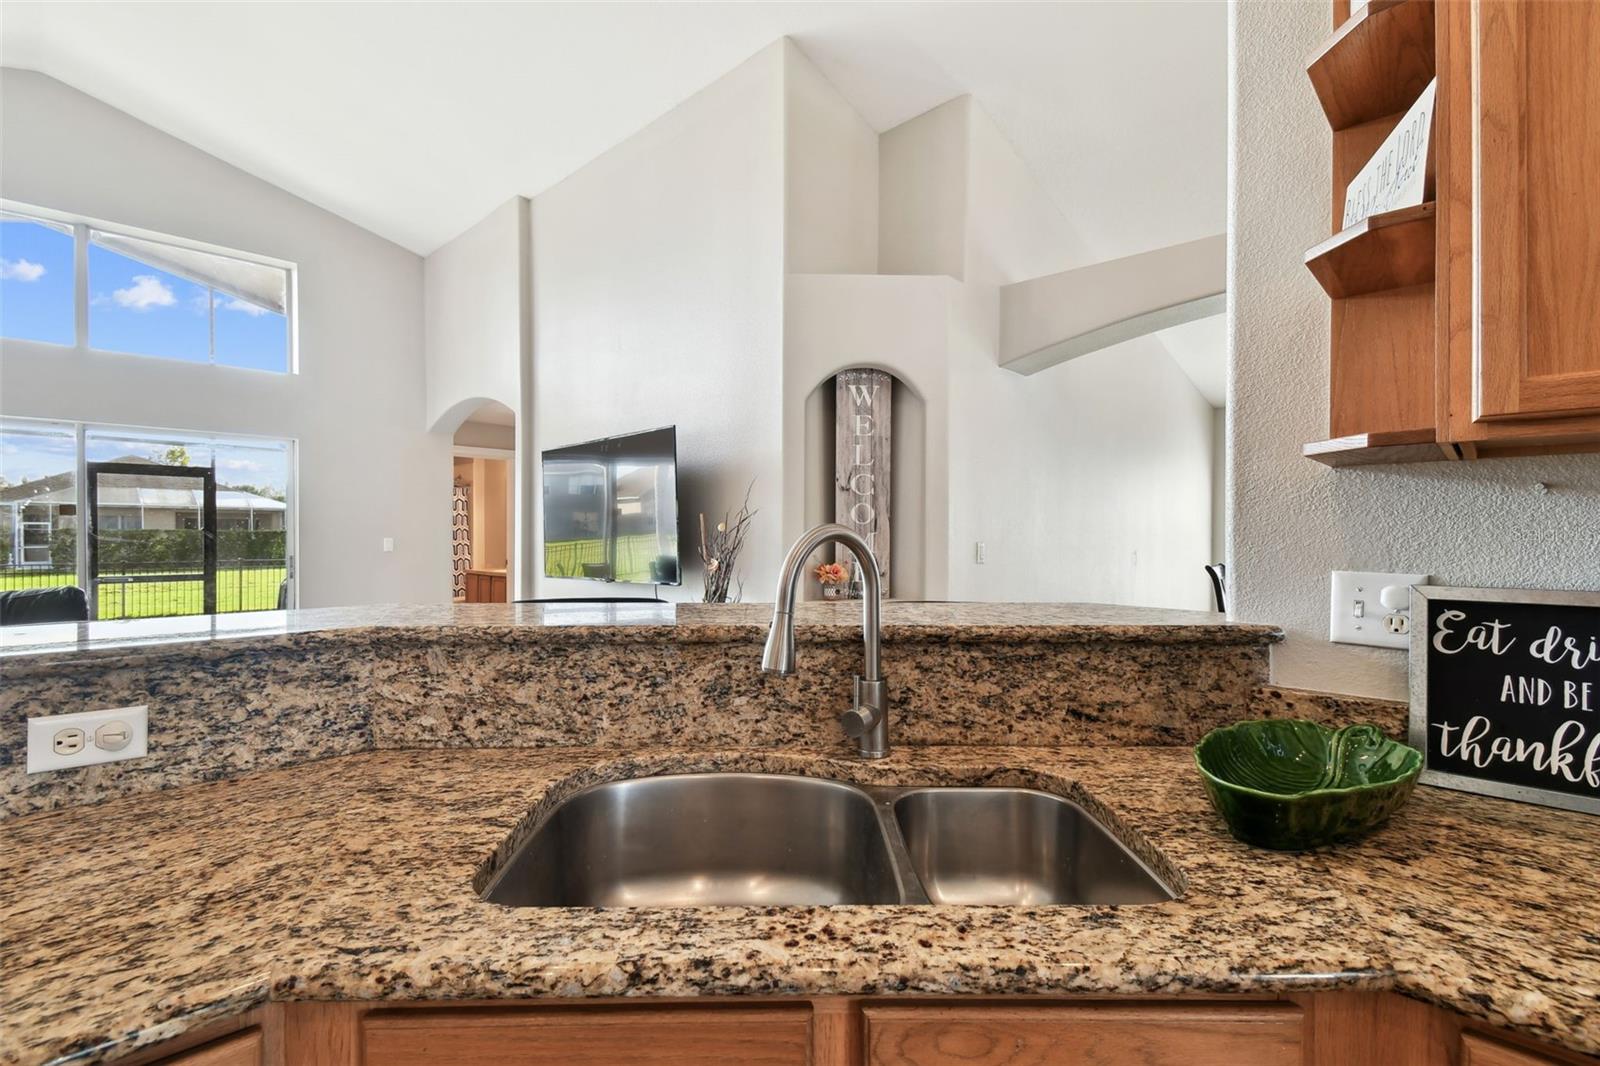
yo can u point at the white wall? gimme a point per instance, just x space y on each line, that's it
830 162
922 193
366 467
1482 523
473 309
1088 482
1085 482
657 298
894 323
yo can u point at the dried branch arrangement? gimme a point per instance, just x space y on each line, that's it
719 552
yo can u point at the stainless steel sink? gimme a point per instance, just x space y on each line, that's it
701 839
779 840
1017 847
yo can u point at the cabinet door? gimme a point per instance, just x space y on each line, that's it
1537 215
1090 1034
241 1049
1481 1051
779 1036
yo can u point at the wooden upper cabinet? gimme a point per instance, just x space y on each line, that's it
1469 326
1537 131
1087 1034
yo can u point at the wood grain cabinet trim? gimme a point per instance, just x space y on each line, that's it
1537 149
1481 1051
1088 1034
666 1036
241 1049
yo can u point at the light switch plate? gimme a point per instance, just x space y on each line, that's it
1357 615
86 739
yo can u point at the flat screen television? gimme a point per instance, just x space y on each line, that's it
611 509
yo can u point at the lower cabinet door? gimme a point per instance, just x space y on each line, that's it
1088 1034
240 1049
777 1036
1481 1051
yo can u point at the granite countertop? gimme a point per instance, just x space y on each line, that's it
137 919
52 644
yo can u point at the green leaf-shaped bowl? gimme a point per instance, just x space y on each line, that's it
1290 784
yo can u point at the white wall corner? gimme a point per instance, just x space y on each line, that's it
830 175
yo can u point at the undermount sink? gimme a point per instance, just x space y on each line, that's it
702 839
780 840
1019 847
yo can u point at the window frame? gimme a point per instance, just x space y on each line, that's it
81 431
82 224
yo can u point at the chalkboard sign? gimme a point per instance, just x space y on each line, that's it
1505 693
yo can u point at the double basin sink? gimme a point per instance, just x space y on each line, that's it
779 840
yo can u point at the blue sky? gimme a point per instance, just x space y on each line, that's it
133 307
31 450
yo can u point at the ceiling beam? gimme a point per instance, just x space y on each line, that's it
1049 320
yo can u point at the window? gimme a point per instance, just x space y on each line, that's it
145 559
143 296
36 280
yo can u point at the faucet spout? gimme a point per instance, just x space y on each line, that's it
867 720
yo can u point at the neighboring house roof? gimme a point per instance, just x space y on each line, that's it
59 488
169 499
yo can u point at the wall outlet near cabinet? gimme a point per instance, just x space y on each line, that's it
1372 608
62 741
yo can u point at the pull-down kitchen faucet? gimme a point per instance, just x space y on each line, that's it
868 720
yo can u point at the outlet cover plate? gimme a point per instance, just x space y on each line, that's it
1347 626
42 731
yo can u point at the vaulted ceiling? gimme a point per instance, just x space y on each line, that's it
415 120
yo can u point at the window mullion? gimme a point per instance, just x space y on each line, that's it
80 284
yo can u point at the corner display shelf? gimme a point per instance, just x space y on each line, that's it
1380 272
1369 449
1376 63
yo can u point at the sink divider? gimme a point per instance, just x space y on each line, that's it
905 871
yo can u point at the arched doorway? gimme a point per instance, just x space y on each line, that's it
483 505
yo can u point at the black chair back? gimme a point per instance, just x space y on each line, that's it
26 607
1218 573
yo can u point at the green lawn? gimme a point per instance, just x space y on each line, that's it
635 553
252 589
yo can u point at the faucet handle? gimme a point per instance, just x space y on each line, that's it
858 721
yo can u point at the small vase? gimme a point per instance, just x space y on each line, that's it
836 592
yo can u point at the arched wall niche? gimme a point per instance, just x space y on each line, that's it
908 478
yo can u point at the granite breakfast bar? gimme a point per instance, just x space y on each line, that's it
211 889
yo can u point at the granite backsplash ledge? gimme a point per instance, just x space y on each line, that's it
291 692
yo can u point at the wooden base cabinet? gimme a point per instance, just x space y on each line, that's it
643 1036
1093 1034
1321 1029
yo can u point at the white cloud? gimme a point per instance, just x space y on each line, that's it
147 291
243 305
20 270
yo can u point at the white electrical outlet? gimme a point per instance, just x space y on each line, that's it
1372 608
981 553
62 741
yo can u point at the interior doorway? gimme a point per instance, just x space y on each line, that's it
483 507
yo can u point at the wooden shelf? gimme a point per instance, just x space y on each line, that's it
1376 63
1369 449
1386 251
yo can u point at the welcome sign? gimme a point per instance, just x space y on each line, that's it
863 473
1505 693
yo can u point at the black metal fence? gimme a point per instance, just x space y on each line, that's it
160 589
